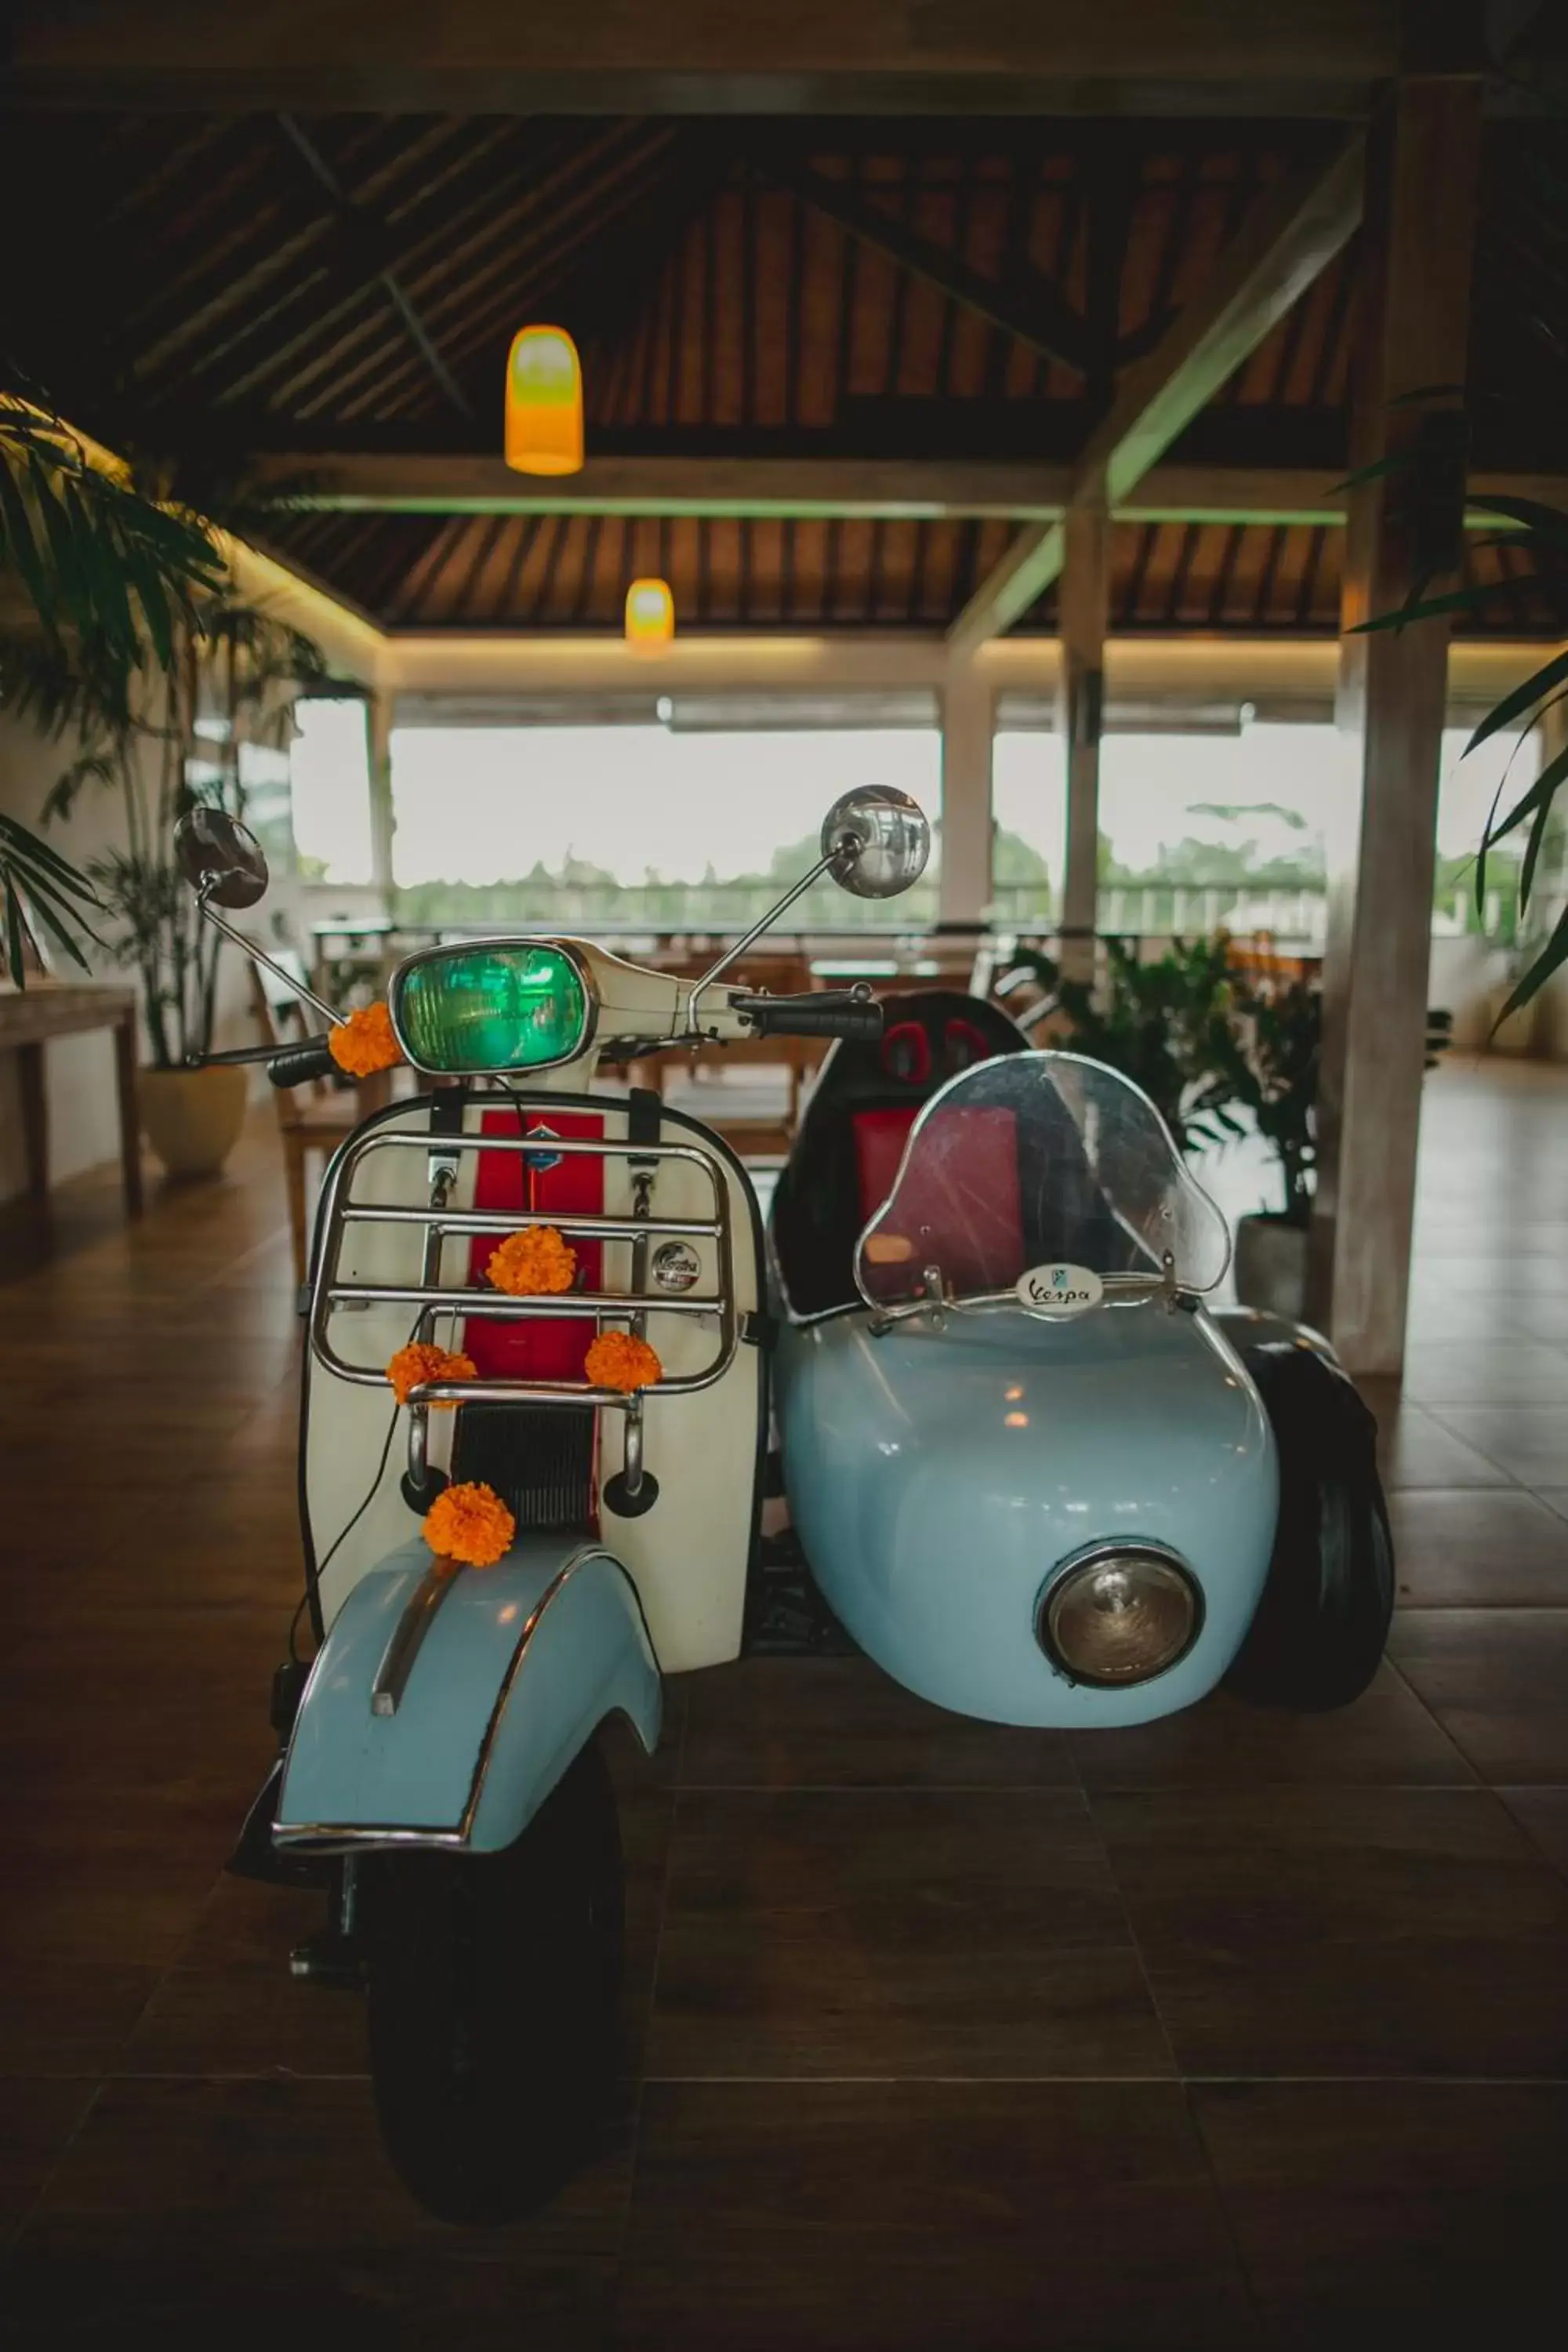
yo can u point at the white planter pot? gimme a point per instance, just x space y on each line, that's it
1272 1266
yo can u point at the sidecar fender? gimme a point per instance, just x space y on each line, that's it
442 1715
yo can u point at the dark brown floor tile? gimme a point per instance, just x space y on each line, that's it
1368 1931
68 2017
820 1723
250 2297
169 2176
1502 1548
885 1933
230 2006
75 1903
1542 1813
37 2121
1387 1738
1497 1680
1410 2213
888 2216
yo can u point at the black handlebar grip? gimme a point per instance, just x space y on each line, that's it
298 1064
828 1013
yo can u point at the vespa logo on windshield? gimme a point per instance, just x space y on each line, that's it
1060 1289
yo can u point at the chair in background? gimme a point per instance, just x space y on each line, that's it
312 1119
757 1120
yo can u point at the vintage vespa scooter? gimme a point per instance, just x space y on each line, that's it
514 1546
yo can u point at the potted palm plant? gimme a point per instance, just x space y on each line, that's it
132 649
1278 1037
181 739
1164 1023
93 576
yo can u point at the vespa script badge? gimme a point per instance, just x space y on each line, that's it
1060 1289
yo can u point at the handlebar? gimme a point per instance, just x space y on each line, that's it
296 1065
825 1012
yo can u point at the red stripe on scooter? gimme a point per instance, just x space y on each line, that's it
553 1347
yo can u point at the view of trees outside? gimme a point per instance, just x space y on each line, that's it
646 828
1198 830
640 828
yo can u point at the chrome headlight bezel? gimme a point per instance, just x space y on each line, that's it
1070 1574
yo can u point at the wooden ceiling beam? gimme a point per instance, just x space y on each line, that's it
1120 56
1031 310
1296 230
874 490
366 235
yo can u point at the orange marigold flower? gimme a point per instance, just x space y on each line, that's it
418 1363
534 1260
365 1042
619 1359
469 1523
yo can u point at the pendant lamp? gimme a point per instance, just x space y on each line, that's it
544 403
650 616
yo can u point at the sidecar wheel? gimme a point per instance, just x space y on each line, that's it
491 1990
1319 1634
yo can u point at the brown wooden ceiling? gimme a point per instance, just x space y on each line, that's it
571 571
218 285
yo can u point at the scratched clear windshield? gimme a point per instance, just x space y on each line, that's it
1036 1161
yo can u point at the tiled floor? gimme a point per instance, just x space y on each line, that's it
1239 2030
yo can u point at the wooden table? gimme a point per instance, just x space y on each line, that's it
46 1009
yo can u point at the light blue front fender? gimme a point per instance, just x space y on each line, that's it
508 1673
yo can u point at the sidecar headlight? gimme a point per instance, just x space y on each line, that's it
1120 1616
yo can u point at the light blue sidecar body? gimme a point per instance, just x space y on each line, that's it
939 1480
518 1665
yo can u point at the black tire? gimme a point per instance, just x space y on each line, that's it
1319 1634
492 1985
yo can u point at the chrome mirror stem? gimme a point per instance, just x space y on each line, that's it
732 954
258 955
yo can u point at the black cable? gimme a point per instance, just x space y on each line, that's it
374 1489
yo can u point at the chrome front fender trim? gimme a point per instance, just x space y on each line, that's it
333 1836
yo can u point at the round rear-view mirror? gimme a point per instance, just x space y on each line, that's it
220 858
878 840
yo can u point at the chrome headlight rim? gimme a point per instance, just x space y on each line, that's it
1065 1574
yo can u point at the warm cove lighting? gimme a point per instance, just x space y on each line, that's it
651 615
544 403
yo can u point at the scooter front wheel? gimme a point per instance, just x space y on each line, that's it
491 1989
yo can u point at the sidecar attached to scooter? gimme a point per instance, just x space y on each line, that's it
1035 1478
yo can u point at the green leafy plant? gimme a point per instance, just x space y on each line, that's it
1277 1032
97 581
129 644
1165 1024
179 740
39 891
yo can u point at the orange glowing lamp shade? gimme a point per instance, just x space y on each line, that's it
650 616
543 402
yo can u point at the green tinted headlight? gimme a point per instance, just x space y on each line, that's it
507 1005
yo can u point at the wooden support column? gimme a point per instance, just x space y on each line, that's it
966 729
378 712
1414 329
1085 608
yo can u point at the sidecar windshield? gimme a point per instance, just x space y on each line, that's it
1032 1161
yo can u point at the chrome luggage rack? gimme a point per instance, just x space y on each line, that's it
435 1300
